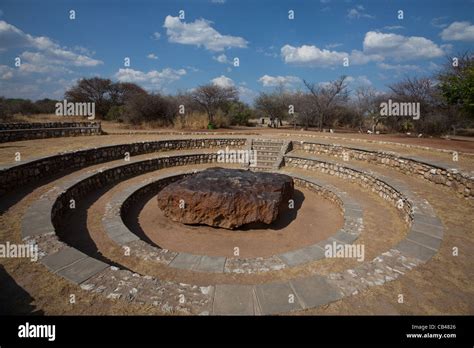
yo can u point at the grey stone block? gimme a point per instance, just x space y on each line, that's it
352 206
315 291
413 249
301 256
345 237
426 219
274 298
82 270
432 230
119 233
353 213
62 258
234 300
213 264
185 261
424 239
37 219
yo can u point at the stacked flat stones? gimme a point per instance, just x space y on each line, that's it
39 224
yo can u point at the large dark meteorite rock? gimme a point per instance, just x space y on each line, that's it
226 198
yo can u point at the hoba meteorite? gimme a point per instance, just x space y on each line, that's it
227 198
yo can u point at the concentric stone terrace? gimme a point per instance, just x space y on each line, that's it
401 226
227 198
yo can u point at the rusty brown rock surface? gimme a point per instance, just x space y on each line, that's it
226 198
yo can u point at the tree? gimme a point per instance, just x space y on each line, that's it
457 83
94 90
103 92
272 104
211 97
367 106
418 90
304 107
4 110
149 107
120 92
46 106
325 96
239 113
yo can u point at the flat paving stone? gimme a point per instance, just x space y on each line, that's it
119 233
415 250
274 298
185 261
345 237
426 219
82 270
213 264
234 300
62 258
315 291
37 220
352 206
424 239
304 255
330 241
435 231
353 213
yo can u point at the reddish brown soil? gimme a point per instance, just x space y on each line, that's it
315 219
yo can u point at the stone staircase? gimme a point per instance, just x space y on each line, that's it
269 153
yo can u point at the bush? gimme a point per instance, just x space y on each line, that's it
239 114
195 120
149 108
115 113
221 120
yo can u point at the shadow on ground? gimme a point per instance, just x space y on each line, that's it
131 219
73 231
14 300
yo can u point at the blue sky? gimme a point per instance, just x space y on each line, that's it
169 54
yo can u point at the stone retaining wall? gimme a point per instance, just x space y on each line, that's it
14 176
46 125
364 179
115 174
116 229
28 131
437 173
310 291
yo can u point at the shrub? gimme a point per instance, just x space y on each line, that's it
148 108
115 113
195 120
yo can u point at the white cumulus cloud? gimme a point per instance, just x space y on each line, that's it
400 47
222 58
272 81
310 55
223 81
200 33
458 31
153 79
358 12
51 52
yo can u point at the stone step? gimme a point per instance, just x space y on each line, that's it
268 153
266 148
266 157
264 142
265 163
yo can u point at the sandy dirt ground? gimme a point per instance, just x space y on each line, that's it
313 220
441 286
